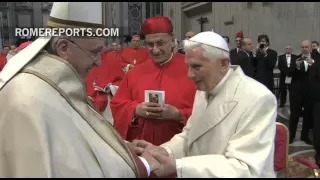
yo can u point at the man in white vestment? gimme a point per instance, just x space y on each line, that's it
231 131
48 128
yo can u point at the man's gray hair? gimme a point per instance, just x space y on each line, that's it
210 51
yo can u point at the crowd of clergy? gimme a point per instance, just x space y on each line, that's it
80 119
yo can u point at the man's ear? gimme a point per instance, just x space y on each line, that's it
225 63
61 48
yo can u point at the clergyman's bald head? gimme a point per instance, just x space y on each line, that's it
246 44
306 46
189 34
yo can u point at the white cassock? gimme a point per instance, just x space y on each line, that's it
230 137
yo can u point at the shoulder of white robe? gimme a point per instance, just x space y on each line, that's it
21 59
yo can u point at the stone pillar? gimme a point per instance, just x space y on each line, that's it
174 12
37 14
108 18
12 23
143 11
124 21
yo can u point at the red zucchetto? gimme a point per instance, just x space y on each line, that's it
239 34
158 24
136 35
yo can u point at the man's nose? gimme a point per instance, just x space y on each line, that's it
155 50
191 75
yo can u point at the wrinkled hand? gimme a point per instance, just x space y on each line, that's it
166 164
153 163
148 110
170 112
155 156
138 146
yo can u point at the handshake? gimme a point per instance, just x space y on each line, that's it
158 158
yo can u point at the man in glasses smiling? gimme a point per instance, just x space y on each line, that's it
164 71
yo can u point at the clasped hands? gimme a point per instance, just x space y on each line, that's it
149 110
160 162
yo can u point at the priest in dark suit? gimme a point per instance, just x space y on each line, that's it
234 52
245 57
285 65
300 96
314 80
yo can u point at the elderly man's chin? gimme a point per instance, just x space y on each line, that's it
159 59
200 86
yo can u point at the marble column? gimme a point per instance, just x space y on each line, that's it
174 12
37 14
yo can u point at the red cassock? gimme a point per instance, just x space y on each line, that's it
90 79
110 71
179 92
3 61
134 56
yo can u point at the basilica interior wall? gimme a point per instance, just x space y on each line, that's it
284 22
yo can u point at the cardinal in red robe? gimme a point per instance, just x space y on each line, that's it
110 71
163 71
134 54
3 56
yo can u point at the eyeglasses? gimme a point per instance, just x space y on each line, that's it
93 54
158 44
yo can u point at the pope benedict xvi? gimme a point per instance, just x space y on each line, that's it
232 128
171 92
48 128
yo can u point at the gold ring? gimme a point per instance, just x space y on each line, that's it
147 113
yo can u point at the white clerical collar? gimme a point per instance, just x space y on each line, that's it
288 55
218 87
167 60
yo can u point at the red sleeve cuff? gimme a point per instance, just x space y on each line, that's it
101 101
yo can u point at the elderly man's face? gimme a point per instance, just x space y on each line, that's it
305 47
288 49
135 41
160 46
115 46
13 47
82 53
237 40
189 35
247 44
6 50
205 73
